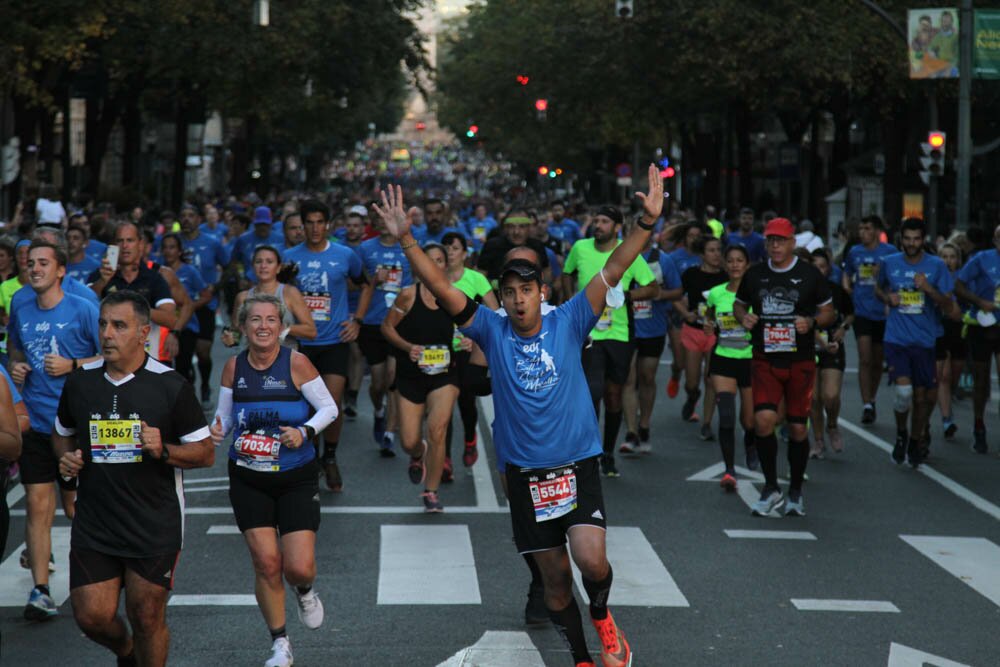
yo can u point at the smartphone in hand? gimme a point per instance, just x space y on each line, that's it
112 255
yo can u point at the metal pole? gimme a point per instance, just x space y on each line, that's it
964 157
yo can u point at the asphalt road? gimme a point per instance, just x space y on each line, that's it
890 562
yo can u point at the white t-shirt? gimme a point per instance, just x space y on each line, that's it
48 211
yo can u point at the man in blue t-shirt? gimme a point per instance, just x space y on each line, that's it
324 269
435 222
387 272
860 275
978 283
80 265
561 227
917 288
546 428
263 233
208 257
745 236
685 237
48 338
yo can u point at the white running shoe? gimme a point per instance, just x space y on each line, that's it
281 654
310 609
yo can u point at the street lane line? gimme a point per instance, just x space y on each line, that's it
878 606
223 530
212 601
15 495
498 649
427 564
16 582
482 475
901 655
202 489
225 510
769 534
203 480
973 560
965 494
641 578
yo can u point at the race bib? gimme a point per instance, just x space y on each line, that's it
866 274
996 296
554 496
257 451
479 233
779 337
115 441
702 311
911 302
394 278
642 310
731 332
604 322
434 359
319 306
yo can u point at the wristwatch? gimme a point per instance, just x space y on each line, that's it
164 454
359 321
643 225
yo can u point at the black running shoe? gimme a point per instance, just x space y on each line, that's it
535 611
687 412
753 460
868 415
979 445
608 466
913 453
899 450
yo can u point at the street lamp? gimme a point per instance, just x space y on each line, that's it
262 12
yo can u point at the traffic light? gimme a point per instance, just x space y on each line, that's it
668 172
624 9
932 160
541 106
543 170
472 131
522 79
421 126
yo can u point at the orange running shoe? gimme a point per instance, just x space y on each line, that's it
673 387
728 482
614 649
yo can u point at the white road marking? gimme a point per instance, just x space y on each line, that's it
427 564
745 488
904 656
497 649
223 530
880 606
482 475
202 489
769 534
965 494
15 495
973 560
640 577
16 582
212 601
203 480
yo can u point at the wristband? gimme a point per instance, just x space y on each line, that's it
408 245
308 432
643 225
164 454
76 364
305 435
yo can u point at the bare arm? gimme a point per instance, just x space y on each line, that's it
430 274
400 307
650 291
626 252
490 300
10 431
365 299
185 308
965 294
304 327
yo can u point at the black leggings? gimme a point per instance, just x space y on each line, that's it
182 364
473 382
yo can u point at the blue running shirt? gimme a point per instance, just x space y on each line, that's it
322 280
544 415
861 265
69 330
916 322
375 256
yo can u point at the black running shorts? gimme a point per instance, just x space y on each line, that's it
38 461
532 535
651 347
865 327
738 369
286 500
415 388
373 344
328 359
87 566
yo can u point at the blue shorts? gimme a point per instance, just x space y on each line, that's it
916 363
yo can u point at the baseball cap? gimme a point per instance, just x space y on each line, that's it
358 209
779 227
262 216
524 270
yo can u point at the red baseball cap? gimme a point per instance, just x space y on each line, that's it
779 227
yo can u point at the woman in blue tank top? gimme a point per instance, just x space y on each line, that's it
275 402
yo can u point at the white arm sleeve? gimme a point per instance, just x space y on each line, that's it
224 411
319 398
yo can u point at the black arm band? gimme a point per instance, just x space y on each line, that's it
466 313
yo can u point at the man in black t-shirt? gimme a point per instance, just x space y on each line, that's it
125 427
789 299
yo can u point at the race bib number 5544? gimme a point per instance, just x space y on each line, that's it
554 496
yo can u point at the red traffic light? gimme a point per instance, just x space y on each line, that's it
522 79
669 172
474 129
936 139
543 170
421 125
541 104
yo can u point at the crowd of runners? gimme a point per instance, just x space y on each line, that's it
109 389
